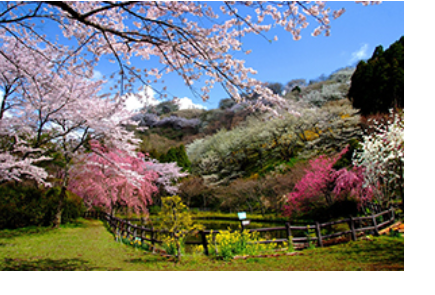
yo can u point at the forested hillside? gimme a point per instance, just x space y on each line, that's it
240 159
378 83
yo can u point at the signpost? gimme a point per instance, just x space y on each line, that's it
243 220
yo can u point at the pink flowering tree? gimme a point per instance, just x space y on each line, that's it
322 186
109 178
52 110
184 36
49 102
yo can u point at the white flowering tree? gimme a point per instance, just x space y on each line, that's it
49 98
51 110
186 36
383 158
227 155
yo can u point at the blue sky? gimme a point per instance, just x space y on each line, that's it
354 36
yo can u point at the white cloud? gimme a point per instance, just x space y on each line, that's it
143 98
360 54
97 75
187 103
147 98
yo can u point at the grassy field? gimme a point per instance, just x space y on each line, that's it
87 245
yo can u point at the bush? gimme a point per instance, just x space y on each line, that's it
22 206
195 193
259 194
229 244
73 205
178 155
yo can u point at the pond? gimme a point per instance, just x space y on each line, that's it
231 224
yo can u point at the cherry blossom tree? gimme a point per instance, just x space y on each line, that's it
107 178
383 158
169 173
52 110
187 37
49 102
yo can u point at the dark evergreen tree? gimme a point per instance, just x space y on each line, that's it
378 84
176 154
182 159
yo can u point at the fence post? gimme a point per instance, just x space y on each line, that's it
204 242
392 213
152 237
123 228
375 224
128 229
352 228
116 233
289 230
319 234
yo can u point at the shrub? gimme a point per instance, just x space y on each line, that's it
73 205
178 155
196 194
176 219
22 206
228 244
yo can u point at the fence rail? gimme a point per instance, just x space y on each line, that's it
122 227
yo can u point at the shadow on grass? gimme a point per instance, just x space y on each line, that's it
151 259
48 265
388 253
79 223
34 230
14 233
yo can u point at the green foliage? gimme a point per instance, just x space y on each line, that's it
135 243
227 244
169 244
176 219
226 103
290 245
166 107
346 160
91 247
22 206
178 155
196 194
258 144
155 144
311 233
378 84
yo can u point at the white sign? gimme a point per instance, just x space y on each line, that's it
245 222
242 215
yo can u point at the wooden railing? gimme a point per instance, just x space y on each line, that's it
357 225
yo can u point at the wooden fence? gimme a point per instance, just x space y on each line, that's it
121 227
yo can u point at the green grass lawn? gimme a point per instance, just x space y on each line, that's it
87 245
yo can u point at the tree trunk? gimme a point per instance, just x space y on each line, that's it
177 242
58 217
